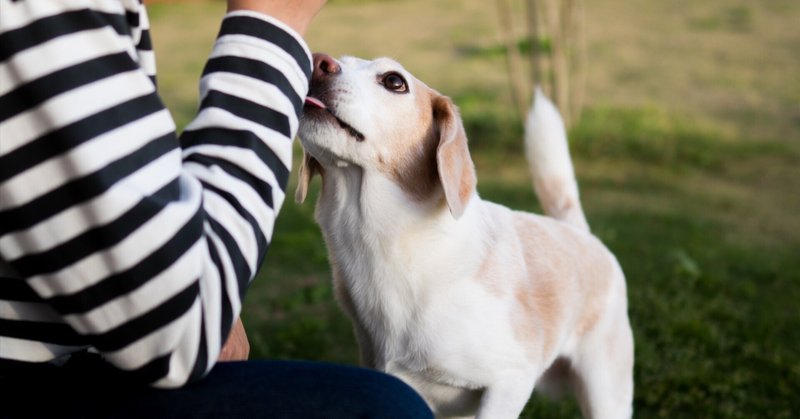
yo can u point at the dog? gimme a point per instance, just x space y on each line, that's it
472 304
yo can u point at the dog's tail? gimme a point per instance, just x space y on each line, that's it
551 166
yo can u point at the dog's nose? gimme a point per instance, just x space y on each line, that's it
325 65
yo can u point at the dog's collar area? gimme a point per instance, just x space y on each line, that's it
314 102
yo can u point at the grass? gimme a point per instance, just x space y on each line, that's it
688 158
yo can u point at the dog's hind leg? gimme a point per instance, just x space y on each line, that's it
551 166
603 372
506 398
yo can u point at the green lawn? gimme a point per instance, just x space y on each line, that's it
688 158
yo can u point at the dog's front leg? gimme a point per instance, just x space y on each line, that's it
506 397
366 350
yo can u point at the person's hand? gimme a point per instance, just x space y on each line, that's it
236 348
295 13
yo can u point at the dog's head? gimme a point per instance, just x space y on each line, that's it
377 116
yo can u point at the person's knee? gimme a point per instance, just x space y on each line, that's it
386 393
305 389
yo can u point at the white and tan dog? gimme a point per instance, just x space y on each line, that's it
472 304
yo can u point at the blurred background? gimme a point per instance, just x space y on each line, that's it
685 131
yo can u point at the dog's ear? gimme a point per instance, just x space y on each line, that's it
454 164
308 168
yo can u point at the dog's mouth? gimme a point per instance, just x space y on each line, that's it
313 102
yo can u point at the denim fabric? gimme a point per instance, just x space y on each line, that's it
252 389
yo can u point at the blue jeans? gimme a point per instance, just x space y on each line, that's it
251 389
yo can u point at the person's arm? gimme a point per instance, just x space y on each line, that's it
295 13
298 15
237 347
143 243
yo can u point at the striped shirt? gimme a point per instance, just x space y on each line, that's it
117 235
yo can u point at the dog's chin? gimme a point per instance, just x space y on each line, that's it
325 143
329 116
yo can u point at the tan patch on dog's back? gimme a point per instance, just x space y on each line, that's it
491 264
598 275
565 285
541 291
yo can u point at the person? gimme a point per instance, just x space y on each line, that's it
126 249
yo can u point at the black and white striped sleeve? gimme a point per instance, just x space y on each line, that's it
142 242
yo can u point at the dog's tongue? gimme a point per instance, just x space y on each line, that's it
312 101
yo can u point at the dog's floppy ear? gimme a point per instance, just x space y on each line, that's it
308 168
454 164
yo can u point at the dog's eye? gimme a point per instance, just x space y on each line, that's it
394 82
